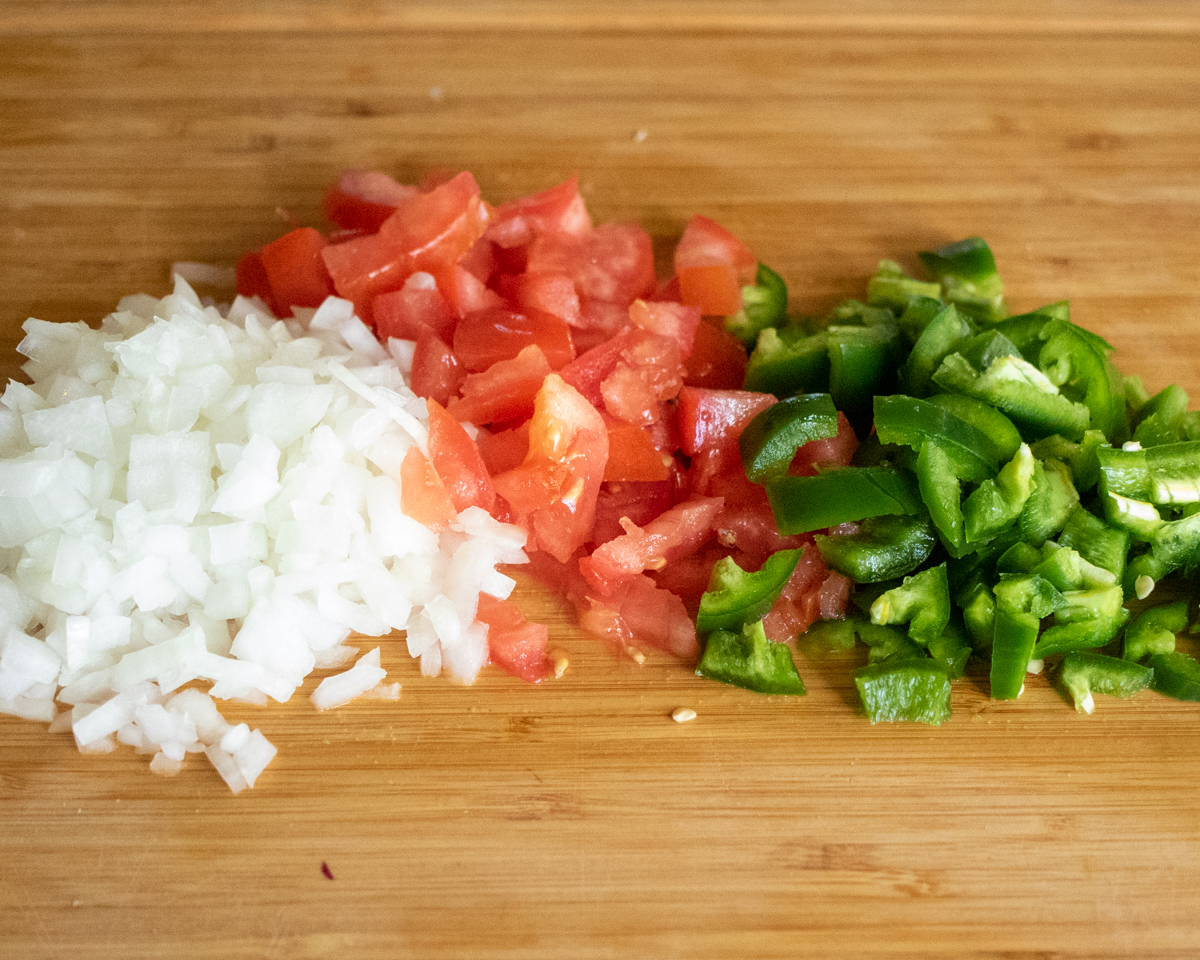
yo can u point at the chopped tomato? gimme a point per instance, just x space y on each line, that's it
483 338
639 501
746 522
480 260
613 263
675 533
514 644
710 422
456 459
830 452
717 360
632 454
504 449
834 595
363 199
712 266
688 577
295 270
435 177
503 393
641 612
427 231
549 292
422 494
554 490
252 280
672 320
558 210
799 605
470 293
654 356
436 372
402 313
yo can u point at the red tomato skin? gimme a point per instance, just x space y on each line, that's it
422 493
746 522
705 243
456 459
480 260
548 292
613 263
717 360
488 336
830 452
558 210
436 372
638 501
503 450
672 320
402 313
471 295
363 199
252 280
504 393
657 355
799 604
515 645
632 455
554 490
675 533
295 269
711 419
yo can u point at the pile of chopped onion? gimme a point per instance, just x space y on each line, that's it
190 496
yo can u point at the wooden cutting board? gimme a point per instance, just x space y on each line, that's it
577 819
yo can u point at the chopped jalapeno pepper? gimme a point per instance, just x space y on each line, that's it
862 364
891 288
912 422
882 548
1021 602
984 417
1086 673
769 442
941 492
788 360
735 597
841 495
995 504
748 659
917 691
922 601
763 305
967 271
1050 502
1176 675
940 336
1154 630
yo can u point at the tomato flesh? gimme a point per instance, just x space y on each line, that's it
514 644
457 461
484 338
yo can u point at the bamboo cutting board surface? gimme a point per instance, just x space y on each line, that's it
576 819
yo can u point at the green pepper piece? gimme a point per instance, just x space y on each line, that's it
917 691
787 360
995 504
951 649
735 597
984 417
941 492
882 548
911 422
826 637
1066 570
1189 425
1024 331
887 643
1074 362
1020 391
978 605
1096 542
748 659
841 495
1081 457
1176 675
941 335
1154 630
918 314
1021 602
891 288
1175 545
1165 475
858 314
1086 673
1079 635
983 349
1141 519
862 363
769 442
764 304
1161 417
922 601
1021 558
1050 503
967 271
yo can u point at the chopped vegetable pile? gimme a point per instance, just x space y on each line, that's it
696 469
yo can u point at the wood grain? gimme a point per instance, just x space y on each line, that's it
577 819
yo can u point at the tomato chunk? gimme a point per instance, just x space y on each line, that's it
613 263
505 392
799 605
295 269
503 449
436 372
457 461
717 360
632 454
710 422
641 612
514 644
363 199
252 280
558 210
402 313
422 494
488 336
549 292
672 320
639 501
554 490
833 451
712 266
